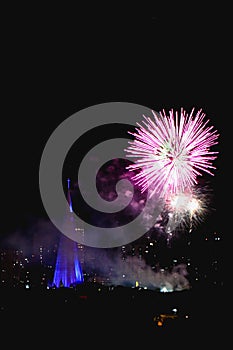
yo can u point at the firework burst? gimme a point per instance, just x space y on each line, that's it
187 209
171 151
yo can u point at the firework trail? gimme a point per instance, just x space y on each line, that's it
172 151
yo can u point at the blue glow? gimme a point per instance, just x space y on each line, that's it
69 196
68 270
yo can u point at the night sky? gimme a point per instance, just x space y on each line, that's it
58 61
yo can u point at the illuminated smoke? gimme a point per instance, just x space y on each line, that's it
134 272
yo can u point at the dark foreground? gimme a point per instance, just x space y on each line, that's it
90 315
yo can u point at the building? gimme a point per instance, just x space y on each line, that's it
68 269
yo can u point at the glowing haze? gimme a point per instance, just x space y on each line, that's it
172 151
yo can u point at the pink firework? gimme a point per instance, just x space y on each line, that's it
172 151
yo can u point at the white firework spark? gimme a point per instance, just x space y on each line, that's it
187 209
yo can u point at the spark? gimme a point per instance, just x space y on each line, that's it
187 209
171 151
185 203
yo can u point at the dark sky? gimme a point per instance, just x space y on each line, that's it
58 61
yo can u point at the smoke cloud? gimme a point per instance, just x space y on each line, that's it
101 264
133 271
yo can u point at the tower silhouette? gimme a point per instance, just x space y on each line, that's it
68 271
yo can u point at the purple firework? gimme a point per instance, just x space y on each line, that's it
171 151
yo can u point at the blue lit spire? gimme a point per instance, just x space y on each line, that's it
68 270
69 196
